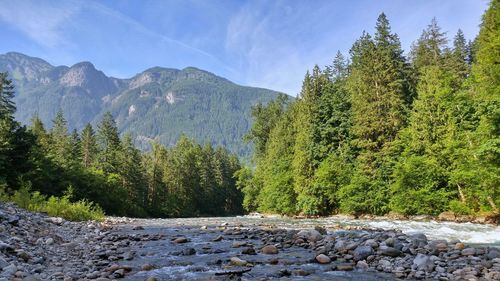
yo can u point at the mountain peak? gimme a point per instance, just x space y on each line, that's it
80 74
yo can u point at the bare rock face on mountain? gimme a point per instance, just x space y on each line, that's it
158 104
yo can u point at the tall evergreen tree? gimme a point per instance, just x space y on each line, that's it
88 146
109 143
379 89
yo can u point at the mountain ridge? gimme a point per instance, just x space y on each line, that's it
158 103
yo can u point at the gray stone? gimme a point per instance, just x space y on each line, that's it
9 270
362 252
310 235
188 252
181 240
468 252
423 262
389 251
237 261
269 250
3 263
323 259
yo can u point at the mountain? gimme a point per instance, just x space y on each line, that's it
157 104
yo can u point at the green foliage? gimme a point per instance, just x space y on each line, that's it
424 180
417 135
54 206
459 208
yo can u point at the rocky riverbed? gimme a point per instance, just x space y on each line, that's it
36 247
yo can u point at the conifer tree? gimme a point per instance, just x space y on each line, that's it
109 143
379 89
88 147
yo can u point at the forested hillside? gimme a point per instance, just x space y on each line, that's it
159 104
98 166
381 132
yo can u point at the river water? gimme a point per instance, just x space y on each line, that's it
471 233
208 258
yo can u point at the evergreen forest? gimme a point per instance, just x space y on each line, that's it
379 131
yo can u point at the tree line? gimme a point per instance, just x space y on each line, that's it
98 165
385 132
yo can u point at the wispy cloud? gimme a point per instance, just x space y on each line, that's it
42 21
255 42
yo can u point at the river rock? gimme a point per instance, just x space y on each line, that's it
423 262
372 243
188 252
389 242
468 252
218 238
147 267
459 246
120 273
447 216
269 250
238 244
248 251
323 259
362 265
310 235
181 240
389 251
238 262
362 252
3 263
344 267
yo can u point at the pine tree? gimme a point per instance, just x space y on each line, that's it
379 89
429 48
60 142
109 143
88 147
15 142
423 169
278 193
7 107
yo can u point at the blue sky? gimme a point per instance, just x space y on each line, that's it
267 44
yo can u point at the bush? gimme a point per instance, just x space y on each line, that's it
77 211
54 206
459 208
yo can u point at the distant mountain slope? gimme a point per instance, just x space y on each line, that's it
159 103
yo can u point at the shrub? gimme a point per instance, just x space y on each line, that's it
54 206
459 208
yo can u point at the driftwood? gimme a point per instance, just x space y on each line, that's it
234 272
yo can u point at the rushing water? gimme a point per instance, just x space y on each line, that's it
210 258
472 233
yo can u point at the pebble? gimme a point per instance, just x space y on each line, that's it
269 250
238 262
181 240
344 267
323 259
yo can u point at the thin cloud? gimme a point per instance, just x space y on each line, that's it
42 21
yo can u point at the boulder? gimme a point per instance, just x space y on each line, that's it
238 262
447 216
269 250
323 259
423 262
468 252
310 235
389 251
181 240
362 252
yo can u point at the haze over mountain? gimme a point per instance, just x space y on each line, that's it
157 104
